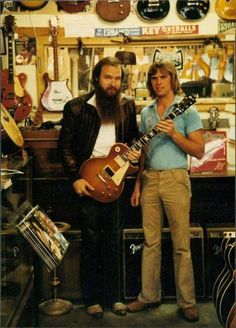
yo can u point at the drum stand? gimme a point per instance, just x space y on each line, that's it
56 306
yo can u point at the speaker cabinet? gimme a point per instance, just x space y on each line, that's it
132 246
214 257
68 272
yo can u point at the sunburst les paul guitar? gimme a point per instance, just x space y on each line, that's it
57 92
107 174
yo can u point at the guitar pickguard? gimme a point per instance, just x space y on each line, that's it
120 173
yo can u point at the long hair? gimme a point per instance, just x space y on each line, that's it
111 61
165 67
108 108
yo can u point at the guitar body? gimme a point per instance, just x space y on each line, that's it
153 10
223 274
73 6
107 174
14 97
33 5
113 10
226 295
11 137
192 10
56 95
226 9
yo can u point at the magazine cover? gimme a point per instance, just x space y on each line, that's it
215 158
42 234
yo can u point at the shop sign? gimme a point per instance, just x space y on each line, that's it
170 30
135 31
148 30
227 27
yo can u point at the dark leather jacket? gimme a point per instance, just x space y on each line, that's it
80 127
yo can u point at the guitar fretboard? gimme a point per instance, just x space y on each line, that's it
178 109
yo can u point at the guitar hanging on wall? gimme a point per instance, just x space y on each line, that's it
73 6
226 9
57 92
192 9
153 10
107 174
33 5
113 10
14 97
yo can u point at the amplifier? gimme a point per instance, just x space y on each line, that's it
68 272
132 251
214 262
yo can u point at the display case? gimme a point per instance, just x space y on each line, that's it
16 255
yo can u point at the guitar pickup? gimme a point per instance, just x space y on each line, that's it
108 171
119 160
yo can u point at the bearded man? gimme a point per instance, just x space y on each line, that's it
91 124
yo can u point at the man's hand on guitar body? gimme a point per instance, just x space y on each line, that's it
82 187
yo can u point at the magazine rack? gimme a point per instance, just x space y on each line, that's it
56 306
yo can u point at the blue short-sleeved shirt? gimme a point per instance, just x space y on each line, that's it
163 153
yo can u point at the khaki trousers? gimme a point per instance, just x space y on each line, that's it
168 190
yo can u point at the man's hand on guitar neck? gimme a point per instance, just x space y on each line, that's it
82 187
134 155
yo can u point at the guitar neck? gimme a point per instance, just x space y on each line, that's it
10 59
55 59
146 138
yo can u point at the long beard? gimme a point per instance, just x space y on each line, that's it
108 106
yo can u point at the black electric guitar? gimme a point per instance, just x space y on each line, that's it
225 300
106 174
192 9
153 10
223 273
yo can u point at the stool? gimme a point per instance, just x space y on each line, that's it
56 306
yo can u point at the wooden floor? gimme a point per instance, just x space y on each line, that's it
166 316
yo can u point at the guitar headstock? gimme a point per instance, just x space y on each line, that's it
9 24
54 26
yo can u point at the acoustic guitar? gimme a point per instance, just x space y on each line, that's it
226 9
192 9
73 6
153 10
106 174
14 97
33 5
11 137
113 10
57 92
